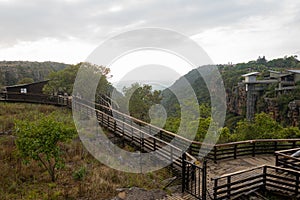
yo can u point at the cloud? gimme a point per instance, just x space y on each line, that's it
273 35
93 20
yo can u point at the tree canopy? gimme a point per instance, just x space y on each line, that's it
41 140
63 81
140 99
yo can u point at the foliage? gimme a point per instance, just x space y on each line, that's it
140 99
63 81
231 75
19 181
225 135
263 127
40 140
79 174
14 71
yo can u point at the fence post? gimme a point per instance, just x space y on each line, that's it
235 151
215 154
264 187
204 179
253 149
115 126
275 146
297 185
228 186
183 158
123 126
294 144
215 188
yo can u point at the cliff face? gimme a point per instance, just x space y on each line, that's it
11 72
236 100
294 112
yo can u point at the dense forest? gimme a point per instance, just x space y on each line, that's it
236 126
18 72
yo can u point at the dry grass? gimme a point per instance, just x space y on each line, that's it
20 181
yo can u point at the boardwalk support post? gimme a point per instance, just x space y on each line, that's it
253 149
204 179
264 186
215 154
228 186
215 188
183 158
297 185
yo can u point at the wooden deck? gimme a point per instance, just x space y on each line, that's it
223 161
226 167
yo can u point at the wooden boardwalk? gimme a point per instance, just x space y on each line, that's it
228 165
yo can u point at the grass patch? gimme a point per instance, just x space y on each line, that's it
82 177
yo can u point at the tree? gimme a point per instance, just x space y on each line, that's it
140 99
63 81
40 140
262 127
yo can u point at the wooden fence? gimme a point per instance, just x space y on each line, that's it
213 152
124 129
263 178
151 138
286 160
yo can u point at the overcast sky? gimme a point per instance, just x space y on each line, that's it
69 30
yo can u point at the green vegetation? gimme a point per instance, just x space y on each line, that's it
63 81
82 177
12 72
140 99
231 75
263 127
40 140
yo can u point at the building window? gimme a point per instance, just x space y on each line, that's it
23 90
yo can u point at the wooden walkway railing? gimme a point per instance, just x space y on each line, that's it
263 178
150 138
124 129
286 160
251 148
36 98
215 152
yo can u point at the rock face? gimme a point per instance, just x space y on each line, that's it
236 100
237 103
272 108
294 112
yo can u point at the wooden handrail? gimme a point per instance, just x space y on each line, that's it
287 150
255 168
238 172
256 141
217 149
145 133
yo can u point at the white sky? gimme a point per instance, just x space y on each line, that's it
69 30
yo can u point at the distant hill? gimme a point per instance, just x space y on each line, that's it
231 75
11 72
